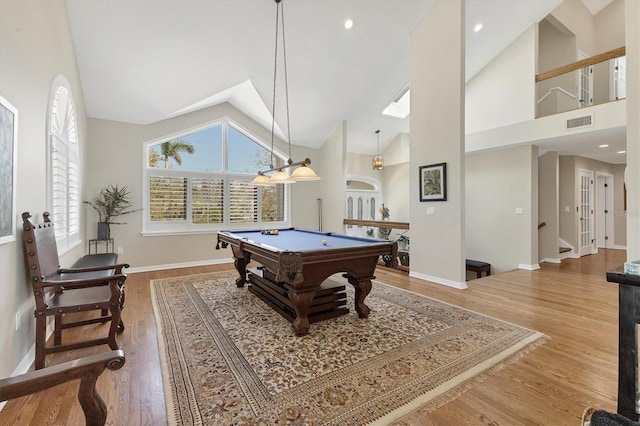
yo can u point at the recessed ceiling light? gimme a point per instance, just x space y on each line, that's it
604 145
622 152
478 27
348 24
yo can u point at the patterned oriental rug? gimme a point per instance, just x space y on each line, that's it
229 359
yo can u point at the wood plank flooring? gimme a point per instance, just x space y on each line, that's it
570 302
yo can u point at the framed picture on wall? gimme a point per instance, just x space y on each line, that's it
8 146
433 182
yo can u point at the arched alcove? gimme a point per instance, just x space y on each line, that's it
363 195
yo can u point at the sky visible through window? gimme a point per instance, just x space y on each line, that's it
244 155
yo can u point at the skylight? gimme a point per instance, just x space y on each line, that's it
399 107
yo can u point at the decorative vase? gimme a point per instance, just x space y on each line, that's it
104 232
383 233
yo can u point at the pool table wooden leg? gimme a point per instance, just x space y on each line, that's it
363 288
240 262
301 303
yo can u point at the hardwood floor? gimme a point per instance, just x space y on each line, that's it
570 302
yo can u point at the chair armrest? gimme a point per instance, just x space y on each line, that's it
35 381
85 369
80 283
118 269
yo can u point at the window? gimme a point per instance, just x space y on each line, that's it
64 165
200 180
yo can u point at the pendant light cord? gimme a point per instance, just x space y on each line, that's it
275 74
286 80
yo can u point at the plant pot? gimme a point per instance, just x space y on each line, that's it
104 232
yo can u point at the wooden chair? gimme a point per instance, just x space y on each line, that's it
85 369
95 282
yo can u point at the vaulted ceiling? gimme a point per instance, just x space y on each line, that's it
145 61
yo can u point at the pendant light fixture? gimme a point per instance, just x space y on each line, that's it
304 172
378 161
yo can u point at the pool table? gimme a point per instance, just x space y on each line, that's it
300 260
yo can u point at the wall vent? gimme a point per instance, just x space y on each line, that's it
573 123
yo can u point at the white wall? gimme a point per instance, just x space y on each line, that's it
398 151
361 164
632 37
333 158
606 116
610 27
575 16
35 46
395 187
437 136
556 47
503 92
498 182
548 206
304 195
568 217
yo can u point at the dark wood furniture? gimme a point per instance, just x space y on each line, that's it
95 282
96 244
478 267
299 261
85 369
628 319
329 300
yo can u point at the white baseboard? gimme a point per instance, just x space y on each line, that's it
529 267
178 265
27 360
550 260
438 280
567 255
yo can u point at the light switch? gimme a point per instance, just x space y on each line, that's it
431 210
567 209
519 210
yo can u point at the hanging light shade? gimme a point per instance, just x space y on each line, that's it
262 180
281 177
378 161
304 172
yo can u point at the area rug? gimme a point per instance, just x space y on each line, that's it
229 359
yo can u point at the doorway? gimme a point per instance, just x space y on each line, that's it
586 239
585 83
362 196
604 210
618 89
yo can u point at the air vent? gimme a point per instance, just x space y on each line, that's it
573 123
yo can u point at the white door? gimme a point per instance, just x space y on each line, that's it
586 238
361 205
604 210
620 78
585 83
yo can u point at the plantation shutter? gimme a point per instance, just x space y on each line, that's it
273 203
243 201
64 165
207 205
59 186
167 198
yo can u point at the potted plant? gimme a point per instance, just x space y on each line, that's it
111 202
383 233
403 241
